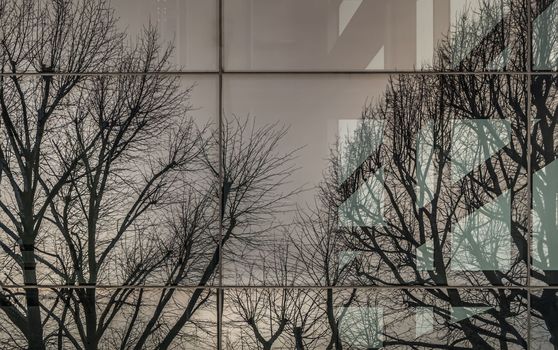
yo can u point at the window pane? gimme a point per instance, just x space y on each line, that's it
425 184
545 27
375 319
543 318
463 35
190 27
121 174
99 36
116 318
545 189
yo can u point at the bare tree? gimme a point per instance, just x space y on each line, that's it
90 167
543 155
270 318
422 201
255 188
47 39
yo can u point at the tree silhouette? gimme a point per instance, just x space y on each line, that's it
403 233
543 114
107 186
106 181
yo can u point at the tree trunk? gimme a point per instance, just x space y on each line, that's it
547 305
298 338
35 334
173 332
335 340
466 326
190 308
91 318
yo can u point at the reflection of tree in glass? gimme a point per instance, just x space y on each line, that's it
90 166
430 190
104 180
275 318
544 106
543 140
